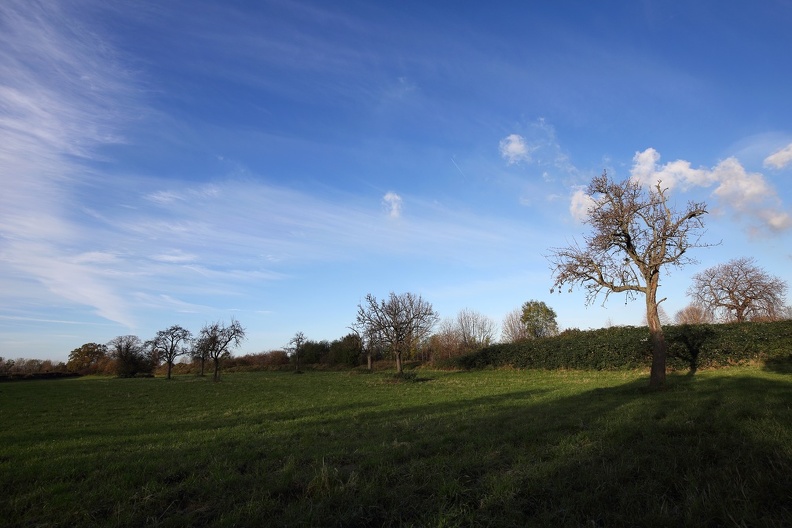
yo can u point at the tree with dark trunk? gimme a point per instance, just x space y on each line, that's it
295 346
399 323
217 340
170 344
636 237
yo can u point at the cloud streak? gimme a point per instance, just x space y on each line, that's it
61 96
780 158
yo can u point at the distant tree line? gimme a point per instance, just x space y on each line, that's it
401 327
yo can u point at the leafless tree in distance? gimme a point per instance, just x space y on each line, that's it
217 340
399 322
739 290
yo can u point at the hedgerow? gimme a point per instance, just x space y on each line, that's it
690 347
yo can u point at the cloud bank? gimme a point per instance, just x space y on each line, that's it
746 194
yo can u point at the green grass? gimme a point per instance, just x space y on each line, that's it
485 448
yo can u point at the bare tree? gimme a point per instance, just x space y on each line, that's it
513 330
398 323
217 340
200 353
636 237
739 290
169 344
475 330
295 347
693 314
445 343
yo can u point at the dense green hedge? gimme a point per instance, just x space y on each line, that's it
628 347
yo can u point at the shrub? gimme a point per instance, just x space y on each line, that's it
689 347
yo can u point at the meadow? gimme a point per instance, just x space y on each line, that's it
477 448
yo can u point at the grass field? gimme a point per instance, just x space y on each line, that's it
485 448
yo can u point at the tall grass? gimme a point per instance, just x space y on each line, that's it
487 448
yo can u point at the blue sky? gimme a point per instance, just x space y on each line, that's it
184 162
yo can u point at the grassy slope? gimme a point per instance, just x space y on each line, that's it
491 448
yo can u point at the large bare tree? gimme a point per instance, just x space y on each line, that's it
636 236
169 344
739 290
216 340
399 322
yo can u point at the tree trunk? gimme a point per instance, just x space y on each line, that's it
170 366
398 362
657 375
216 376
368 359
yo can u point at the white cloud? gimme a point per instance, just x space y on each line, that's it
580 204
679 172
780 158
747 193
393 204
514 149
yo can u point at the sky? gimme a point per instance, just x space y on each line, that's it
186 162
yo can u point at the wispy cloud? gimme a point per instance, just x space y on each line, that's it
748 194
780 158
61 98
393 204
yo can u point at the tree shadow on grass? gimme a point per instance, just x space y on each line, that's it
711 451
779 365
688 342
700 453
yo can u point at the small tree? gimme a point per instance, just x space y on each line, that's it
295 347
169 344
538 319
400 323
739 291
217 340
636 237
475 330
346 351
130 356
693 314
200 354
513 330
